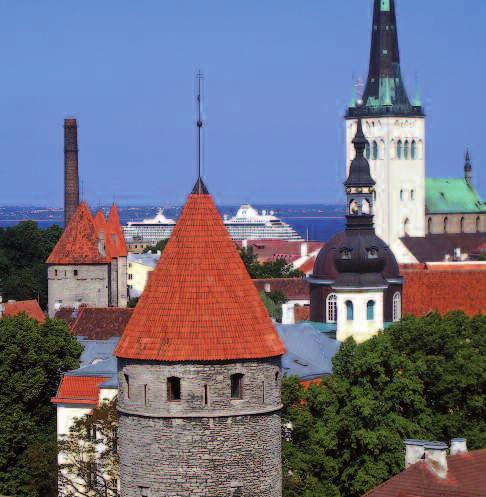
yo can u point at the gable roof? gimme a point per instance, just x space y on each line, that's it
79 242
30 307
434 248
200 303
444 196
466 477
100 323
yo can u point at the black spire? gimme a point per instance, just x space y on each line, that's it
385 91
199 187
468 169
359 171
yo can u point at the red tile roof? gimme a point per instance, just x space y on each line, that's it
270 250
301 313
291 288
79 242
466 477
444 291
118 247
93 323
79 390
30 307
200 303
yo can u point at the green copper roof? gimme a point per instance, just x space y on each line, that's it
385 5
452 196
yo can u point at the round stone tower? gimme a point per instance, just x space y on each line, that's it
200 373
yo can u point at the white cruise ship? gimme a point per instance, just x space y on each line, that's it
247 224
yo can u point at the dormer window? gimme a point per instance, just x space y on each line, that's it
372 252
345 254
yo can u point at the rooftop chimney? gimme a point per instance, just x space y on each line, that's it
71 176
414 451
458 446
436 458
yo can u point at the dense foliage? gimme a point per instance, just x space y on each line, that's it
257 270
158 247
273 302
24 249
32 360
92 467
423 378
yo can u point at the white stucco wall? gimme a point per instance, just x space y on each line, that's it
359 328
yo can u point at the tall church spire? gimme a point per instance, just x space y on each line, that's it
385 90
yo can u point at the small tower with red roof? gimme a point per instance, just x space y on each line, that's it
200 372
88 265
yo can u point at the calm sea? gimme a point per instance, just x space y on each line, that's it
317 222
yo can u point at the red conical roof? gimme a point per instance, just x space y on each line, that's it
200 303
79 242
119 247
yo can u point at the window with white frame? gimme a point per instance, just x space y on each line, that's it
331 308
397 307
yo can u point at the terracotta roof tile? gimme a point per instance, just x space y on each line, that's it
444 291
200 303
79 242
79 390
466 477
118 246
291 288
30 307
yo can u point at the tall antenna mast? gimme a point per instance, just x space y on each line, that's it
199 123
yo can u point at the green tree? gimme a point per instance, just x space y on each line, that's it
33 358
422 378
159 246
279 268
273 302
92 467
24 249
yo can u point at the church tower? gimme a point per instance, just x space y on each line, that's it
395 129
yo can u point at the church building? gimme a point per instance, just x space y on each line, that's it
406 204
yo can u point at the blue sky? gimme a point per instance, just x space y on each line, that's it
278 77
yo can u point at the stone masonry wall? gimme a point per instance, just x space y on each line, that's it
227 447
89 286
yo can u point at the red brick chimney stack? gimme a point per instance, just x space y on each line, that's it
71 176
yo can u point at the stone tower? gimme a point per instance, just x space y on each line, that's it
200 372
71 175
356 283
395 129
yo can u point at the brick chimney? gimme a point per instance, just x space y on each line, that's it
71 176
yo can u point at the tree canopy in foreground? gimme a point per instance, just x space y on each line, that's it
33 358
422 378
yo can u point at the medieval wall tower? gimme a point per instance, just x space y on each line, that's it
395 129
200 372
71 174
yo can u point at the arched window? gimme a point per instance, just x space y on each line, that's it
173 389
478 225
366 208
463 224
374 195
237 386
397 307
353 207
413 152
406 227
375 150
399 149
406 150
429 227
412 194
331 308
349 310
446 224
368 150
401 194
370 310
